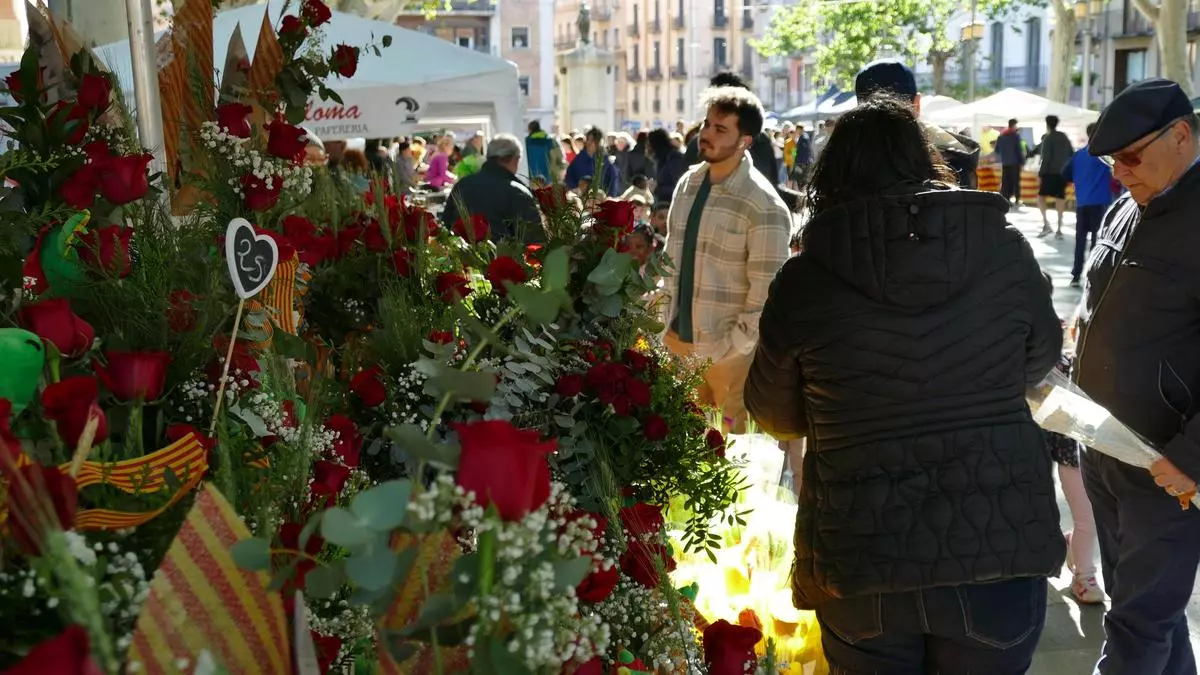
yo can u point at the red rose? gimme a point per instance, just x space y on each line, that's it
10 445
313 247
124 179
107 249
283 244
729 648
441 337
368 387
70 404
315 12
285 141
504 466
328 649
289 538
373 237
641 562
593 667
504 269
638 361
348 445
598 585
608 381
403 260
569 385
70 653
613 217
716 442
476 231
257 194
34 493
73 119
345 60
328 480
637 391
418 223
655 428
95 89
233 117
641 520
452 287
293 26
347 238
98 153
551 198
134 376
79 190
54 322
244 365
298 227
181 315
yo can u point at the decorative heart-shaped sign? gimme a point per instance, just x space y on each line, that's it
252 258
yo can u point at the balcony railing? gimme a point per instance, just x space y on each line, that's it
564 43
679 73
747 21
678 21
678 105
655 27
634 75
654 74
656 106
603 13
634 29
720 20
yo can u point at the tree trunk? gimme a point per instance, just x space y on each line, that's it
1062 51
938 61
1170 29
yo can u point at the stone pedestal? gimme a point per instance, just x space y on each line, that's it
586 85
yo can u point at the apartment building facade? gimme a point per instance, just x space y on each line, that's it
669 49
521 31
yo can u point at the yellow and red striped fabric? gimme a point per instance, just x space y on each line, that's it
201 600
268 60
109 519
186 458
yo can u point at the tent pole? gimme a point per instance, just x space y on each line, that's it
145 80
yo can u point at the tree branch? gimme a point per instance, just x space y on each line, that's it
1147 9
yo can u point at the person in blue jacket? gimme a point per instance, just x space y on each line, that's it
1093 181
539 153
584 165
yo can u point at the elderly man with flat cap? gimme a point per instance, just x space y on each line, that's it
1139 357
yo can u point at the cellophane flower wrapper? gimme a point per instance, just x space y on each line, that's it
1060 406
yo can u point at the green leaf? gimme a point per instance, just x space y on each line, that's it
466 567
372 570
387 40
341 528
467 385
309 528
325 581
252 420
280 578
540 306
569 573
293 347
382 508
556 270
252 554
437 608
412 441
613 269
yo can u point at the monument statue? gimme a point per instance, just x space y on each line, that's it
585 24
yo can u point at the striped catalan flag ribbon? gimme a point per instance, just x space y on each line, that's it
436 554
201 600
108 519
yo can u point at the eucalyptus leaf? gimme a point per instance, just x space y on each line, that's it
564 421
325 581
252 554
570 573
613 269
280 578
464 576
409 439
435 610
539 306
373 569
555 270
252 420
382 508
342 528
309 528
465 385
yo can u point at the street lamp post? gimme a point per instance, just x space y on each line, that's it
971 34
1085 10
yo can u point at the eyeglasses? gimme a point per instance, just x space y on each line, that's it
1132 159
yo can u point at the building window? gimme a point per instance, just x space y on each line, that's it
656 59
719 8
466 42
520 37
1033 52
997 57
679 49
523 82
747 56
679 100
617 38
656 4
720 52
637 57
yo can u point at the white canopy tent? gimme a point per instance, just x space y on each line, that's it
418 82
934 103
995 110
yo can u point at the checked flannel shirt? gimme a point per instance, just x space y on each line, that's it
742 243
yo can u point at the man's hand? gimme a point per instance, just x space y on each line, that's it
1171 479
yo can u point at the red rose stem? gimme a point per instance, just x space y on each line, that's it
237 322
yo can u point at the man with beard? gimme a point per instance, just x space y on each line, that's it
888 76
728 235
1139 357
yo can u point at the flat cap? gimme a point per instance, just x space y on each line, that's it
885 76
1141 109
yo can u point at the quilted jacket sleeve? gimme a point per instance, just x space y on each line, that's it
1044 344
774 393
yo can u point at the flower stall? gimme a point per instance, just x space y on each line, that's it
253 419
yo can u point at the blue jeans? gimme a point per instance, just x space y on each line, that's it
1149 550
974 629
1087 224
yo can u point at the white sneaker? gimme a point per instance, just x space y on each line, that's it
1087 591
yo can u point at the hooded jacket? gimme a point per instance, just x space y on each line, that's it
961 153
900 342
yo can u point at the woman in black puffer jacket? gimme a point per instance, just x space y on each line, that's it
900 342
669 164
